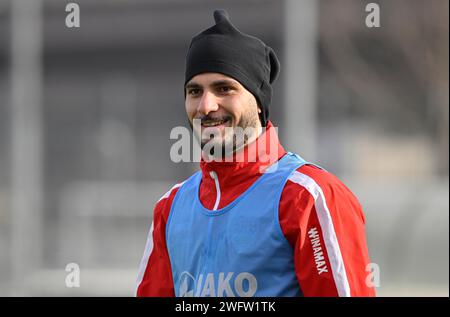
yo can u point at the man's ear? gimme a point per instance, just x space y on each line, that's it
260 115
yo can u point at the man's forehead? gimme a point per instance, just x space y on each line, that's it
206 79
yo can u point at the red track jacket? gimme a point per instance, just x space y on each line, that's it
319 216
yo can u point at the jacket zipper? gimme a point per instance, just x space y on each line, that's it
216 182
208 244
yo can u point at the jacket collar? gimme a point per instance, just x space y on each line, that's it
258 155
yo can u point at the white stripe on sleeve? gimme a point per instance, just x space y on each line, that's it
149 245
148 250
166 195
329 235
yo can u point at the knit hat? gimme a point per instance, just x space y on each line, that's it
224 49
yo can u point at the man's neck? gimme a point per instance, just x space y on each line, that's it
254 157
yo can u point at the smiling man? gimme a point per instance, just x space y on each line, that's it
223 106
273 226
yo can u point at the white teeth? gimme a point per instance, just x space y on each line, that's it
213 124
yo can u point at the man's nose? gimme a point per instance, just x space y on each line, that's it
208 103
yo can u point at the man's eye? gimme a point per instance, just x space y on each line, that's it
193 91
224 89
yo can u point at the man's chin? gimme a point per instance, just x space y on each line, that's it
216 149
212 144
220 150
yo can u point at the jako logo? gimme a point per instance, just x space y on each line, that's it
244 285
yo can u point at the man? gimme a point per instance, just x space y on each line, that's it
273 226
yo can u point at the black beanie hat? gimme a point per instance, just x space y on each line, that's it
224 49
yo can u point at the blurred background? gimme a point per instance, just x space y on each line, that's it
85 117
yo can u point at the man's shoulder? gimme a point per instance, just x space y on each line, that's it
309 185
164 203
169 195
314 180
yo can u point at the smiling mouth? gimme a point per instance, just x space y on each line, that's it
214 122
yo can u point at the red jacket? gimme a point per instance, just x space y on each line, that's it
319 216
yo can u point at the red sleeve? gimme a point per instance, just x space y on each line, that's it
325 224
155 273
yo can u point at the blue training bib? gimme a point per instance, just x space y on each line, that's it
239 250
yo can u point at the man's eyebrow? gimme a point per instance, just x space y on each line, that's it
192 85
222 82
216 83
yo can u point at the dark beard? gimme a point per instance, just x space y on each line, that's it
225 151
245 122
